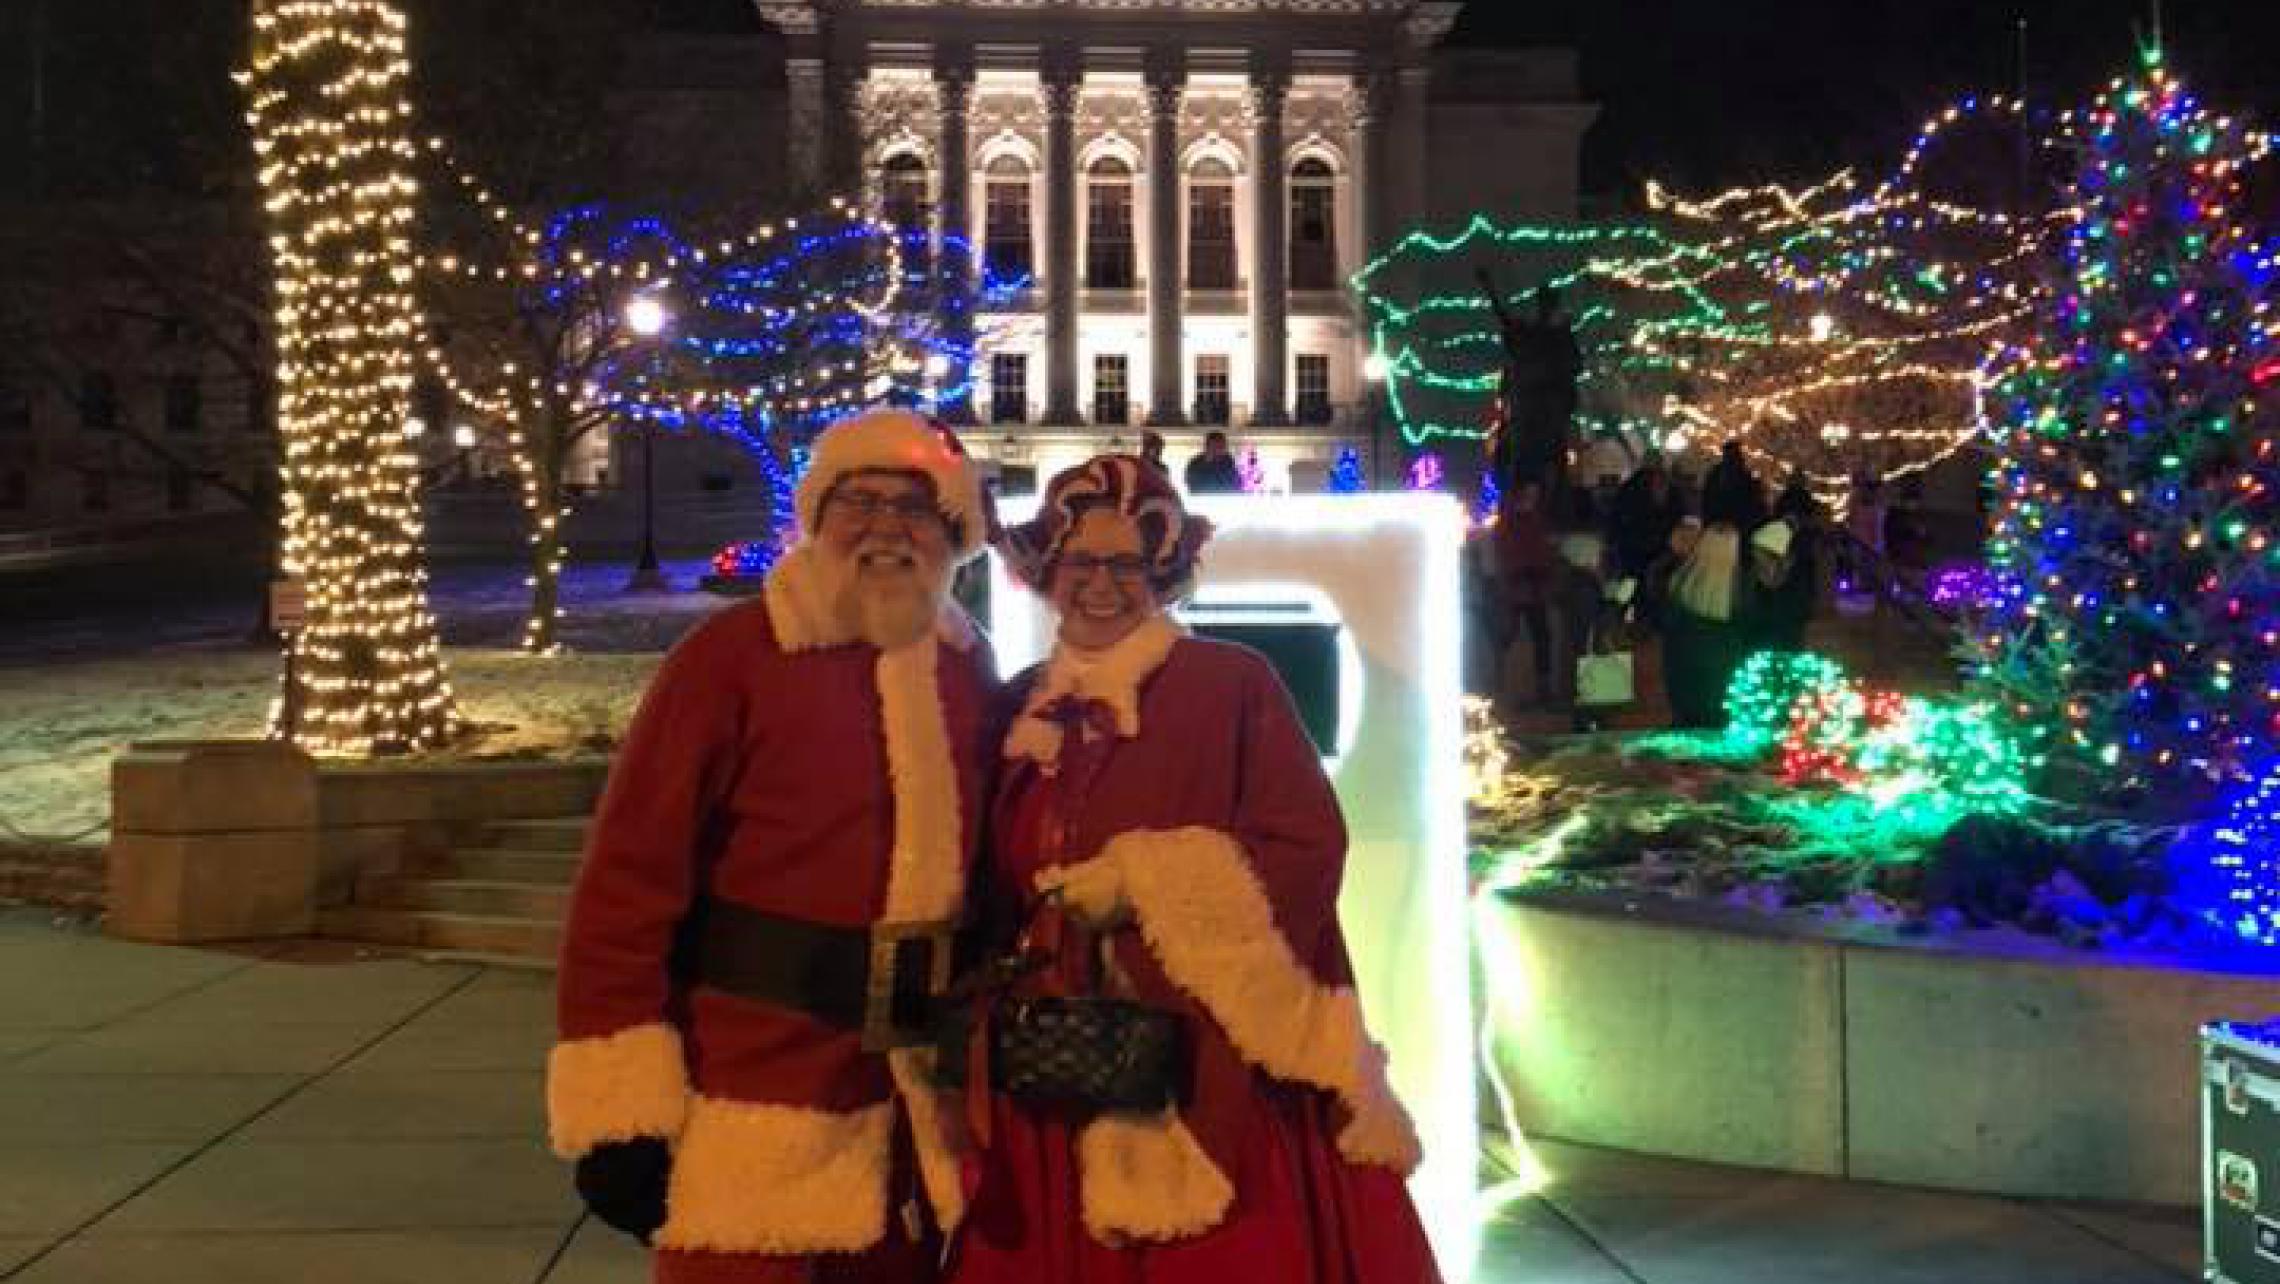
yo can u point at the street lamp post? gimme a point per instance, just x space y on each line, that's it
645 315
1373 376
464 438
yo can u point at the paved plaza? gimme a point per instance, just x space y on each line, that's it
311 1113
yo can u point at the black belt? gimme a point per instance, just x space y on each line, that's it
878 981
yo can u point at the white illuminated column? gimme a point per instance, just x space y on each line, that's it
1385 567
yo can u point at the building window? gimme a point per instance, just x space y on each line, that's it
1009 388
903 203
1112 389
98 401
1313 388
15 490
1211 408
1006 254
178 490
902 192
1108 225
257 404
1313 240
1211 226
15 407
183 398
95 491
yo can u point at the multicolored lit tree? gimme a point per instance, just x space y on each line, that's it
2139 457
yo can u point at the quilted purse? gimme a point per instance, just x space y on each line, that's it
1083 1050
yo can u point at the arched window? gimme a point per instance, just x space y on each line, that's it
1313 226
1108 225
902 192
1006 252
1211 225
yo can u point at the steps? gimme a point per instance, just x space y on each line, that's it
497 897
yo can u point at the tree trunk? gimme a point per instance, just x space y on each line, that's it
542 500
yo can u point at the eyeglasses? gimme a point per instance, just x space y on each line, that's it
865 507
1126 567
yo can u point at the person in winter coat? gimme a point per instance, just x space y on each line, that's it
1528 563
1648 508
1706 608
1160 791
768 895
1786 582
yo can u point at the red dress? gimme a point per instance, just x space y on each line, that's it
1301 1210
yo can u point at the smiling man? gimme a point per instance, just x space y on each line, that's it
766 902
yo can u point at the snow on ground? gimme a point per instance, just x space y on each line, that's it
66 721
63 717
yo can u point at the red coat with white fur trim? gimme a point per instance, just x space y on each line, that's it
1214 826
777 766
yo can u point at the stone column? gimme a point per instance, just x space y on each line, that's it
1412 105
1367 172
954 82
1166 319
1062 80
804 130
845 82
1270 251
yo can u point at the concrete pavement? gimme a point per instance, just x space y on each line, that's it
315 1113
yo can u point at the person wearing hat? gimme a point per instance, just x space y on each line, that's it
1164 821
1782 561
767 897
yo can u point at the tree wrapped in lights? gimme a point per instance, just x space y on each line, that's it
604 320
2137 470
329 122
535 341
778 341
1833 329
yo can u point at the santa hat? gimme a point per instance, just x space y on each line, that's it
902 441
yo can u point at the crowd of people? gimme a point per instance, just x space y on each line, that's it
1714 572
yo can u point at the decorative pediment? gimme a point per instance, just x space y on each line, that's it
1336 7
792 17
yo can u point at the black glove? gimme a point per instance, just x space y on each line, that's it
624 1183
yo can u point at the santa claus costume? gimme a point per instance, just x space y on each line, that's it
783 844
1167 782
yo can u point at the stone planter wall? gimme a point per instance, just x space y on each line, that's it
229 840
2007 1068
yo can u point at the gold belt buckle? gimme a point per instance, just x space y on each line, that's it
880 1033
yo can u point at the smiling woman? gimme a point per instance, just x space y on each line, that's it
1167 829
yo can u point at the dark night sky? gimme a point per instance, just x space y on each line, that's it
1707 93
1702 93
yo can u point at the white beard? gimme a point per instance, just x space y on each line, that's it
887 610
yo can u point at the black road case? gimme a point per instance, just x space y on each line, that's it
2240 1152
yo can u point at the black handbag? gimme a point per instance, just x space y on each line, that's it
1089 1051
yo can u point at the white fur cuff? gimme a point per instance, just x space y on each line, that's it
616 1088
751 1177
1147 1179
1206 916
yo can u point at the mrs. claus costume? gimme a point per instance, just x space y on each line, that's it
1168 779
785 774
